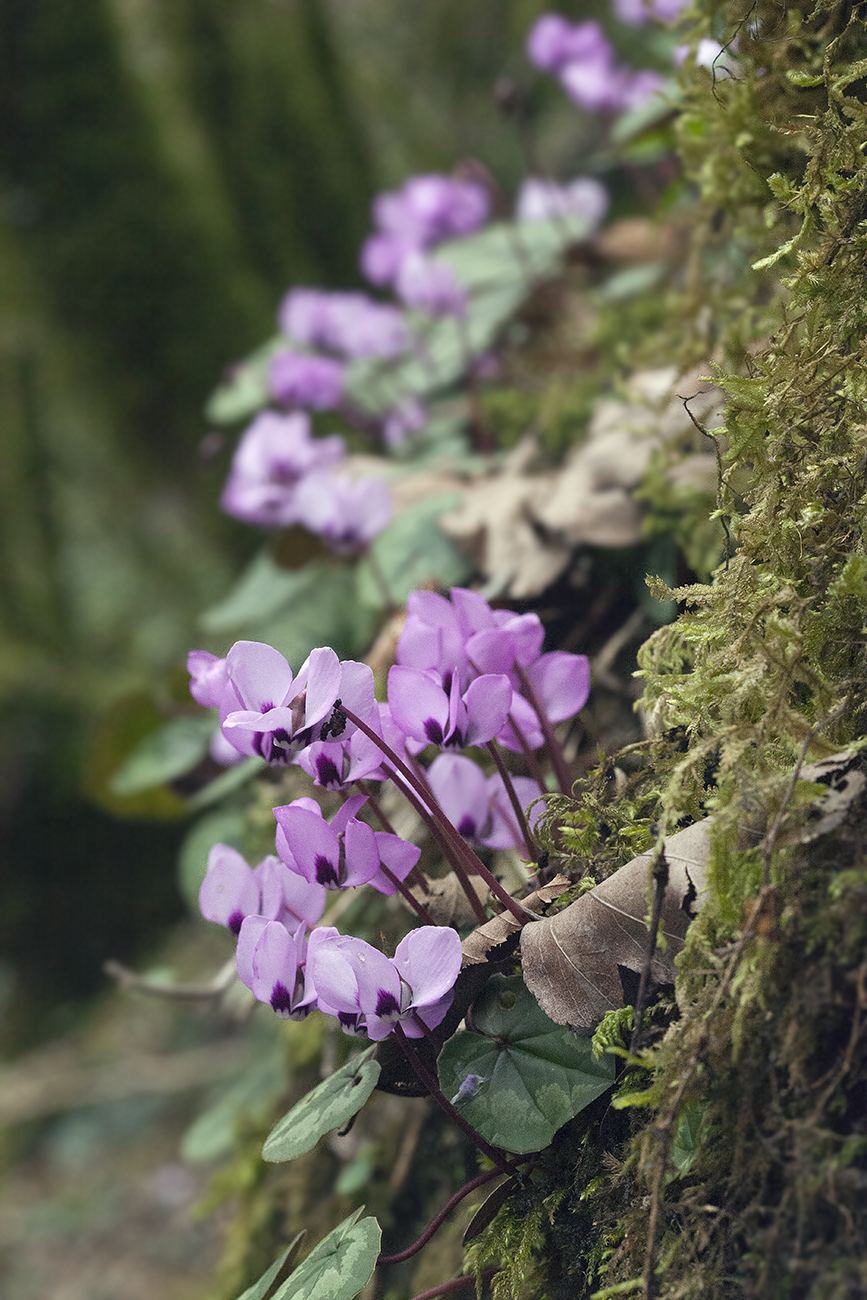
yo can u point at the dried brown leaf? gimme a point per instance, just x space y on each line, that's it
570 961
477 946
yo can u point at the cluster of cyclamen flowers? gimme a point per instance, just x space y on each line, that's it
280 475
283 475
467 676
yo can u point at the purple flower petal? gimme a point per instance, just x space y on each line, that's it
429 961
229 891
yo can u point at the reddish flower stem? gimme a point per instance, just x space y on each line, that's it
513 799
431 1084
419 908
555 749
458 846
532 761
437 1222
435 829
456 1284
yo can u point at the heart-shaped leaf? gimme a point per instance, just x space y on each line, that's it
520 1077
170 751
340 1266
329 1106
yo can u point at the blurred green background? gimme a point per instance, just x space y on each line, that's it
167 169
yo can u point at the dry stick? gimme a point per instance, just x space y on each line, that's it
458 847
517 809
431 1084
555 749
440 1218
128 980
660 876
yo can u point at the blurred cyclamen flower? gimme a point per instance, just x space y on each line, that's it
351 324
231 891
430 286
271 962
280 715
299 379
584 197
427 211
709 54
273 455
209 679
403 420
370 993
583 58
347 513
638 12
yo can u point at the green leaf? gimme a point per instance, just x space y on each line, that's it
262 590
535 1075
260 1289
166 753
411 551
340 1266
800 77
688 1137
328 1106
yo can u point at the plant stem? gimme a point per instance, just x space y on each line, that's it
456 1284
419 908
532 761
436 1223
436 831
508 784
459 847
555 749
429 1081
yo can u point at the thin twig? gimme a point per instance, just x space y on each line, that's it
129 981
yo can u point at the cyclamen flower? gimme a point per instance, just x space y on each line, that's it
637 12
272 457
271 961
351 324
347 513
342 852
299 379
232 891
424 710
405 419
581 55
478 806
370 993
584 198
430 286
425 212
273 715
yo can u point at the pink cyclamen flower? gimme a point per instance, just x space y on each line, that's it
553 43
343 852
273 456
299 379
425 711
370 993
430 286
276 715
402 421
346 513
350 324
584 198
232 891
271 961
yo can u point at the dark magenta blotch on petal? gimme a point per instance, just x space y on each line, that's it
387 1005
